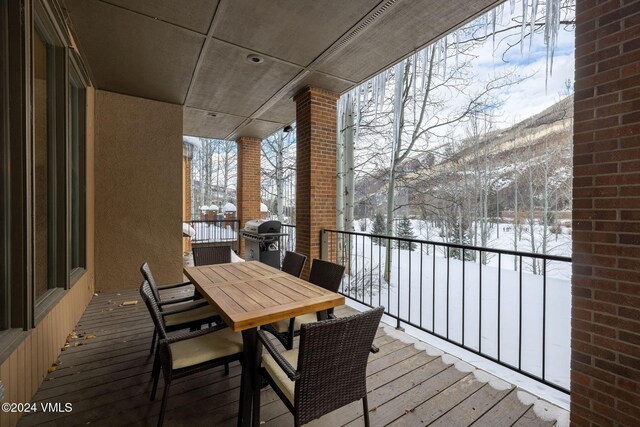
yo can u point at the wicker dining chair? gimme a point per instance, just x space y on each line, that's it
328 370
323 273
188 353
293 263
208 255
180 313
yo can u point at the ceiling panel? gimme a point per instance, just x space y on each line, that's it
193 14
200 123
284 110
228 82
293 30
404 27
256 129
134 54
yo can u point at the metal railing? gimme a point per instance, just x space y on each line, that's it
216 231
288 242
510 307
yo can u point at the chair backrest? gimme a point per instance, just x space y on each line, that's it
146 273
332 363
207 255
152 306
293 263
326 274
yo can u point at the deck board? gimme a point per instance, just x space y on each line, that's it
108 380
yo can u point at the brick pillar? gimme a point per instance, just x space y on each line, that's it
316 121
248 194
605 341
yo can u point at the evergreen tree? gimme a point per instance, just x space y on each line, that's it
378 227
405 230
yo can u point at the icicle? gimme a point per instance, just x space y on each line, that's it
512 4
414 74
485 18
356 93
397 106
457 46
525 8
425 61
534 14
444 63
552 26
493 29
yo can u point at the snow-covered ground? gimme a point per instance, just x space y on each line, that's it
473 304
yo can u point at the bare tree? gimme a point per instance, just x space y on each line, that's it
278 171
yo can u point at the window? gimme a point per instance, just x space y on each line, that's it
44 252
42 162
4 170
77 131
49 163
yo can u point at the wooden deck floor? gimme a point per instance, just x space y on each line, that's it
105 375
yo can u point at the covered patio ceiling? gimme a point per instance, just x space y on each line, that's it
197 53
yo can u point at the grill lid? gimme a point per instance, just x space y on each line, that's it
262 226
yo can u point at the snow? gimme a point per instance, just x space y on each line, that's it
216 232
446 296
187 230
263 208
229 207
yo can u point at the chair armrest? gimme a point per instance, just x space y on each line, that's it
374 348
173 285
167 306
281 361
176 300
181 310
189 335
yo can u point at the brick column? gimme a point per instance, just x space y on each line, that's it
248 193
316 121
605 338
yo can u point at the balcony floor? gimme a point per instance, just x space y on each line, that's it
106 377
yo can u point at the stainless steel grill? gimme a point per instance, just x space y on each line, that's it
262 241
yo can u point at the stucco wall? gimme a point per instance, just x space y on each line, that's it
138 198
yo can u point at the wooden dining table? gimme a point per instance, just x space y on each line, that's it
251 294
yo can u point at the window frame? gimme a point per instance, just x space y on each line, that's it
77 77
45 23
4 171
19 19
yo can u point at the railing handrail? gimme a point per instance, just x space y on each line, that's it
212 220
454 245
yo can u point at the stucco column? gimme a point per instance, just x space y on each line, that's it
316 122
187 158
248 194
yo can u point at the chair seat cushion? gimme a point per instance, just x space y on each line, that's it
283 325
277 374
196 314
207 347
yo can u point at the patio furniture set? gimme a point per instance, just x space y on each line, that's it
236 309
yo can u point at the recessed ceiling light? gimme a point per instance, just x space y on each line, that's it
255 59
